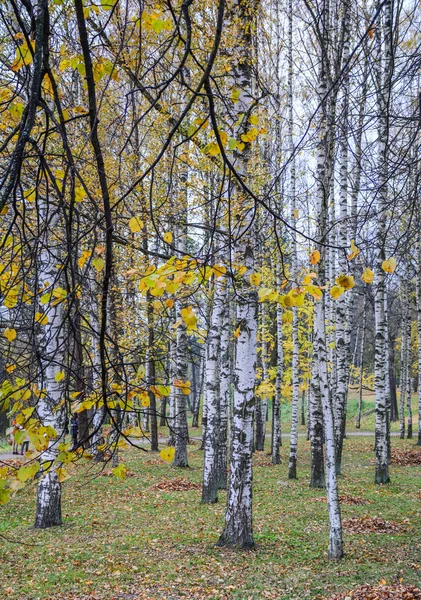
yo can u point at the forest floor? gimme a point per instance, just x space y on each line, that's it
150 537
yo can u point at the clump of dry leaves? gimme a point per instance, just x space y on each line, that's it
405 458
177 484
371 525
381 592
346 499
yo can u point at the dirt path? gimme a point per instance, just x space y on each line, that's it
10 455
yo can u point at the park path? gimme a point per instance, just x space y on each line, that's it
162 441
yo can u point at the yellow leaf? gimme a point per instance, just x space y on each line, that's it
314 291
59 376
59 293
135 224
80 194
255 278
169 302
120 472
287 316
389 265
254 120
219 270
62 474
184 386
212 149
168 454
98 263
336 291
168 237
354 251
24 56
295 212
41 318
189 317
10 334
25 473
367 275
160 390
11 300
345 281
315 257
145 400
224 137
83 258
4 496
235 95
237 332
30 195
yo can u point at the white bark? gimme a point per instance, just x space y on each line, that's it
408 368
238 517
99 411
292 467
361 364
324 174
210 468
418 307
383 71
276 408
52 351
224 396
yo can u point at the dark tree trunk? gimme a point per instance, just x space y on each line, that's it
259 427
196 412
317 479
163 419
4 423
48 512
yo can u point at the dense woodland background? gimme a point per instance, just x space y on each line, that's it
210 248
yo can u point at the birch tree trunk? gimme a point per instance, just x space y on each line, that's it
151 377
418 308
403 374
238 529
262 404
210 468
292 467
342 333
99 409
387 377
173 374
383 71
361 361
276 408
323 182
224 395
316 433
52 354
408 370
181 433
201 371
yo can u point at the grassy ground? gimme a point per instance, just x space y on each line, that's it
130 540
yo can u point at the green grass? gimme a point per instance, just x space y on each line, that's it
127 537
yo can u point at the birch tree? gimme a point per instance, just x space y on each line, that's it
238 517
